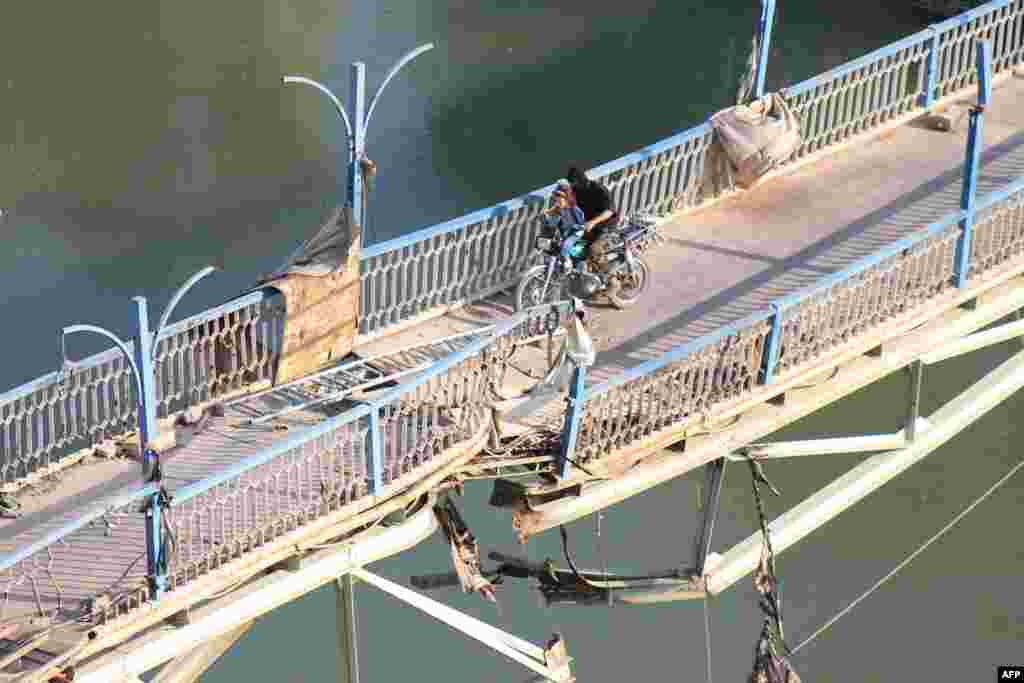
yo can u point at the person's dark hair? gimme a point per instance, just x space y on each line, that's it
575 176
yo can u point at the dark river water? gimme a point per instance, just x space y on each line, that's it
143 141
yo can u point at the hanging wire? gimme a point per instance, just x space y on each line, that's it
878 584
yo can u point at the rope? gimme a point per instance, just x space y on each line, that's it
992 489
765 580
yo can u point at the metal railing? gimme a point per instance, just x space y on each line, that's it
382 446
375 449
197 359
682 386
378 448
428 271
468 258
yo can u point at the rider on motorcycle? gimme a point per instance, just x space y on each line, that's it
598 212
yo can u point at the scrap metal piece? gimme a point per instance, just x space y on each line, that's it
465 551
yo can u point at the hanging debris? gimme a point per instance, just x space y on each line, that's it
465 551
770 666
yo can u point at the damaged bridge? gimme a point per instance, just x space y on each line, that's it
161 496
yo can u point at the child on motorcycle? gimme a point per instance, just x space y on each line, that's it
563 212
566 217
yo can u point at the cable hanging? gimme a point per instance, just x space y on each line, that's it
910 558
770 666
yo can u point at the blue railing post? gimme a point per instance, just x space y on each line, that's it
148 431
357 151
764 44
931 73
573 415
973 158
147 375
155 561
773 344
376 454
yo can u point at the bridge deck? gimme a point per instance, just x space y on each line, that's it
105 559
718 264
721 263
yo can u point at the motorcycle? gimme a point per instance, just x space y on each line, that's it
625 277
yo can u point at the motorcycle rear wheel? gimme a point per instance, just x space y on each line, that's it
630 286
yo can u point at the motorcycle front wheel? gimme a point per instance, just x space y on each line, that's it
631 285
532 291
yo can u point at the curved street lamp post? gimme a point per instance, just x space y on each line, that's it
355 127
141 358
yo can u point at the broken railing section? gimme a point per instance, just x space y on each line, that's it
465 550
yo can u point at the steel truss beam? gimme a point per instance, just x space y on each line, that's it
915 424
551 664
714 475
978 340
348 657
870 475
189 667
831 446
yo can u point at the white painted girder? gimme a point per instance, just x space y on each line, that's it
513 647
190 666
831 446
974 342
871 474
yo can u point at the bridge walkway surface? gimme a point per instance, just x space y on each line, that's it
208 445
721 263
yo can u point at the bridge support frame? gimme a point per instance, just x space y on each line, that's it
549 663
915 371
348 657
871 474
188 668
714 476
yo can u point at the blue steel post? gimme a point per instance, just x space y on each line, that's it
764 44
931 69
376 453
147 376
971 163
571 427
357 146
154 550
148 432
772 344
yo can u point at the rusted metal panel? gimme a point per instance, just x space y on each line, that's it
321 316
